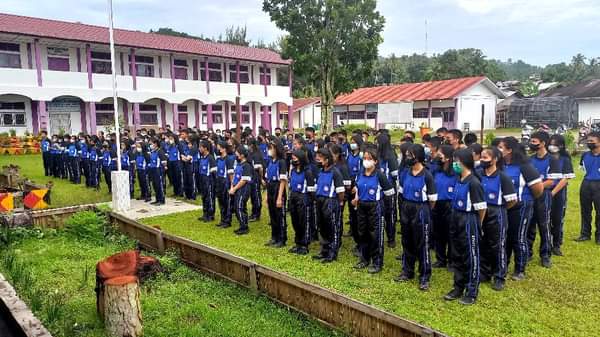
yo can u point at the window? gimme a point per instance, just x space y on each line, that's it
265 77
105 114
101 63
148 114
244 74
10 55
181 69
12 113
58 59
144 66
216 114
424 112
182 108
214 72
245 114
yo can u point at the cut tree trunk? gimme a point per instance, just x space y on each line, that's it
122 311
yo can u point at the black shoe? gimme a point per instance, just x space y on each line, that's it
302 251
293 250
361 265
348 233
467 300
211 218
403 277
279 244
582 238
454 294
242 231
399 257
253 218
328 259
374 269
556 251
391 244
270 243
518 276
546 262
498 285
319 256
147 200
225 225
356 252
438 264
484 278
156 203
424 286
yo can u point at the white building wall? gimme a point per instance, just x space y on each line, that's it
589 110
311 115
20 130
470 105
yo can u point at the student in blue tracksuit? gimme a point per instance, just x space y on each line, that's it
73 152
174 165
370 188
418 192
224 176
126 166
276 180
207 171
528 184
195 153
257 161
108 157
141 169
64 161
302 188
388 163
240 190
500 195
445 180
354 163
157 163
46 157
55 152
84 157
94 159
339 161
550 171
589 194
469 209
558 150
330 196
187 167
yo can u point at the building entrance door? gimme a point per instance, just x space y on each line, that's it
60 123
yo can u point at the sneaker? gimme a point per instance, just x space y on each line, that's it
374 269
302 251
424 286
328 259
319 256
454 294
226 225
293 250
361 265
556 251
391 244
467 300
498 285
156 203
438 264
582 238
403 277
253 218
546 262
242 231
518 276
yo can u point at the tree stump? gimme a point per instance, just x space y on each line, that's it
122 311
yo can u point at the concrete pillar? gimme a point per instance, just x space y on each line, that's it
209 119
290 118
43 115
120 191
175 117
254 118
136 116
227 115
133 69
206 77
88 61
196 114
172 63
163 113
38 61
92 111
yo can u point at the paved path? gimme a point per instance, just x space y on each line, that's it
140 209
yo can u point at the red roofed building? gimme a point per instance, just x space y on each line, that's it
55 76
455 103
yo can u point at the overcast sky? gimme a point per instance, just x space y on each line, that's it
537 31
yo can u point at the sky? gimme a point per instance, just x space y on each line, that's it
537 31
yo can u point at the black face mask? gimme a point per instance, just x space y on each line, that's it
319 164
485 164
534 147
592 146
410 161
295 162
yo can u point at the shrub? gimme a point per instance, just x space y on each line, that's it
86 225
489 138
570 141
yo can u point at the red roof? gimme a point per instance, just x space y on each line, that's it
424 91
45 28
300 103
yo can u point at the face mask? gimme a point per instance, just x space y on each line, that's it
143 134
353 146
534 147
138 149
485 164
295 162
361 155
72 140
278 134
410 161
592 146
368 164
319 164
246 147
477 163
152 147
427 151
271 153
553 149
457 168
316 148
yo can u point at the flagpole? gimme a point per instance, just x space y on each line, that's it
114 83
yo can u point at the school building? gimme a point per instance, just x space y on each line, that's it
56 76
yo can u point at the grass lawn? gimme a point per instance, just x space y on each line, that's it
561 301
55 274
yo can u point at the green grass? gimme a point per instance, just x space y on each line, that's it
561 301
179 302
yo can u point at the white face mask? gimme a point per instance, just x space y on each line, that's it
353 146
368 164
271 153
316 148
553 148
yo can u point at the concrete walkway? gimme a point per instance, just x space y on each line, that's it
140 209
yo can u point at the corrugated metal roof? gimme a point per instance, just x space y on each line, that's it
585 89
45 28
300 103
424 91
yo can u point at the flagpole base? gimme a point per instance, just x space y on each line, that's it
120 191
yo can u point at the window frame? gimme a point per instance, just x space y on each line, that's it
266 78
54 58
107 113
213 71
183 69
143 66
97 61
8 54
244 74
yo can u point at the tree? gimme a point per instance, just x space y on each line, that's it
332 42
463 63
529 89
172 32
236 35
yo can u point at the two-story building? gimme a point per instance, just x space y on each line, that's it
56 76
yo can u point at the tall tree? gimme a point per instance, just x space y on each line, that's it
332 42
236 35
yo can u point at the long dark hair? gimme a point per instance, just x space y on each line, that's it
559 140
448 152
496 154
277 146
384 147
417 151
518 152
465 156
336 151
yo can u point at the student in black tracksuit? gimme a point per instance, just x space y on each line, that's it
240 190
157 163
94 159
354 163
224 176
339 161
257 161
469 208
174 165
558 150
589 194
370 188
276 180
330 195
419 195
388 163
141 168
187 167
302 189
500 195
45 147
207 171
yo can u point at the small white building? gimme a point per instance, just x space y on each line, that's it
456 103
307 111
587 96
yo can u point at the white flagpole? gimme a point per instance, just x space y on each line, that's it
114 83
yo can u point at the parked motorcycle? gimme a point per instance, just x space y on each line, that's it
561 130
526 131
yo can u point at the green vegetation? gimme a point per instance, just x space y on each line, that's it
54 273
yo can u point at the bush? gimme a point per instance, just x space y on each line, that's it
489 138
570 141
87 225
